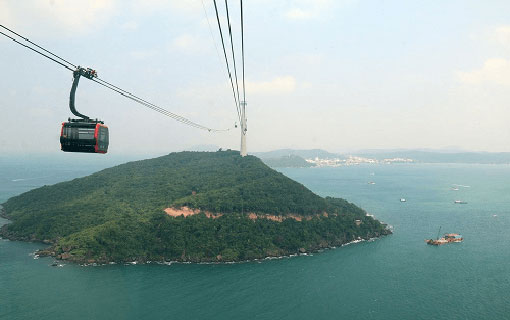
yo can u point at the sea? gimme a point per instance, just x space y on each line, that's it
395 277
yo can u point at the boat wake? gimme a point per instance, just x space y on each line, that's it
26 179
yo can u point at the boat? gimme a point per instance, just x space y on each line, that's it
371 182
459 202
453 237
446 238
403 200
436 242
455 189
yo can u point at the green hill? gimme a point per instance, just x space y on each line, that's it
305 153
290 161
117 214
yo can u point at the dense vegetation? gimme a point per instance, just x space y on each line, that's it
289 161
117 214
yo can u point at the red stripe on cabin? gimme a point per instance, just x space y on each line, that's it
96 147
61 134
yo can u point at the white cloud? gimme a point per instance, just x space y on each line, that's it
298 13
310 9
5 14
68 16
278 85
151 6
188 43
41 112
501 35
184 41
142 54
130 26
304 60
494 71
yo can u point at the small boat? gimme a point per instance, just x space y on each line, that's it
455 189
453 237
459 202
403 200
436 242
447 238
371 182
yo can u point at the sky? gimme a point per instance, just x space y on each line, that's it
339 75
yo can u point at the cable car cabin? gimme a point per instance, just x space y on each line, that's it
90 137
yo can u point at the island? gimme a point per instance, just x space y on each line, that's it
290 161
187 207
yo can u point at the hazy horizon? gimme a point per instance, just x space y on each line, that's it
130 156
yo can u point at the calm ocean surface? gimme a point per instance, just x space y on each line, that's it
397 277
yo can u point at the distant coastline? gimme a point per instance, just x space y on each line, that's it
285 158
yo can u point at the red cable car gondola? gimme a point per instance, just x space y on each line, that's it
85 134
84 137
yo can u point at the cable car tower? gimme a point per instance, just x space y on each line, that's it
243 129
239 104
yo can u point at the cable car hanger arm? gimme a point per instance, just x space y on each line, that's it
87 73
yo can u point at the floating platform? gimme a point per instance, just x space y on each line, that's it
447 238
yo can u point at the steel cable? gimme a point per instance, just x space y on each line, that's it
108 85
226 62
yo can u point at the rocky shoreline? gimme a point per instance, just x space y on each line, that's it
5 234
65 255
3 214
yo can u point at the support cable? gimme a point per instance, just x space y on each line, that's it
211 32
24 45
242 60
106 84
242 48
124 92
226 61
233 54
154 107
47 51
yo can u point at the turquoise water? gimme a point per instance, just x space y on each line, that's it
397 277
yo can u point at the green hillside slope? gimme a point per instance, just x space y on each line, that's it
117 214
290 161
